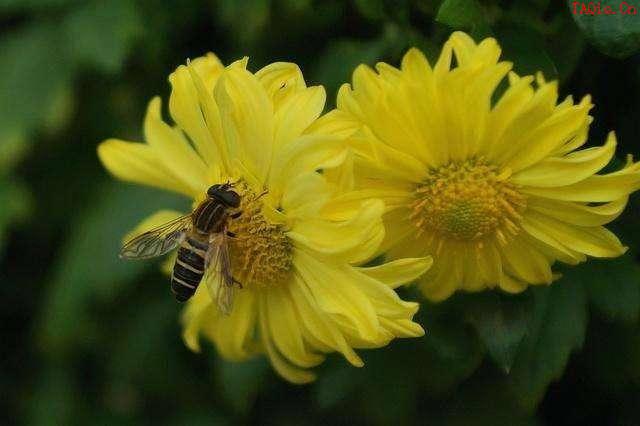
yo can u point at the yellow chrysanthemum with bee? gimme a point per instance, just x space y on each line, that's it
295 247
481 168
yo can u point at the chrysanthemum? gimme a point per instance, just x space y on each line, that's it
294 250
487 178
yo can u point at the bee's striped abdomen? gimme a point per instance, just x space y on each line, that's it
188 269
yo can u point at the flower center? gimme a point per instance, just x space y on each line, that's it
261 253
467 201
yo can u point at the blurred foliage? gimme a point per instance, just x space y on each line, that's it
90 339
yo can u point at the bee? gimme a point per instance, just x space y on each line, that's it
203 240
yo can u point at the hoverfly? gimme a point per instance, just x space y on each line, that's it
202 236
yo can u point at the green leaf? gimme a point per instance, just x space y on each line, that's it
502 322
613 286
132 356
450 350
13 148
393 379
9 6
617 34
371 9
557 328
252 14
463 15
100 33
88 269
612 354
480 401
16 202
567 47
36 69
240 382
527 50
337 62
337 382
55 398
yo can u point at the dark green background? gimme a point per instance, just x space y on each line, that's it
87 338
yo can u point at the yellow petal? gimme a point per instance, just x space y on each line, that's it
593 241
343 205
195 315
507 109
548 136
392 161
296 113
336 123
305 195
577 141
443 64
597 188
529 115
415 65
174 150
512 285
539 231
212 118
344 238
526 263
281 80
247 119
320 326
402 327
186 110
572 168
398 272
385 301
552 248
490 263
280 364
578 214
234 334
308 154
139 163
284 325
444 277
208 68
337 296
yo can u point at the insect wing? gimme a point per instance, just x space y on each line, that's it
218 277
157 241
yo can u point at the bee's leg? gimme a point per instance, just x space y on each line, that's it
237 282
236 214
235 236
262 194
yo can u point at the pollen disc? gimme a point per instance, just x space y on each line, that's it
261 253
467 201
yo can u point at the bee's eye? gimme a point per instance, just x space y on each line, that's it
213 190
231 198
221 193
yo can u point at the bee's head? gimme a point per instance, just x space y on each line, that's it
224 194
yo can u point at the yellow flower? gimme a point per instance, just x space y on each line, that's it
489 182
295 247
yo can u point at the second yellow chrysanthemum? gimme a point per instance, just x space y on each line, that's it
493 188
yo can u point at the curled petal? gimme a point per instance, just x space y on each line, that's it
398 272
343 238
